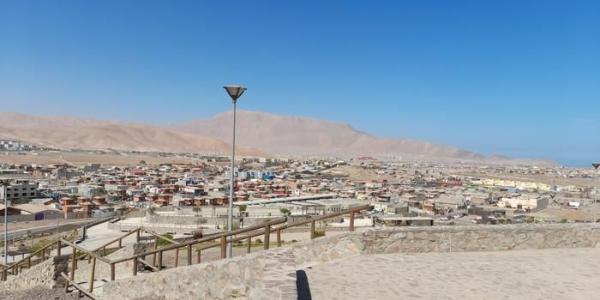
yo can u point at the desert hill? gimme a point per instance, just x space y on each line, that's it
306 136
76 133
259 134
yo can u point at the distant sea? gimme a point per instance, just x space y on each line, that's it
578 162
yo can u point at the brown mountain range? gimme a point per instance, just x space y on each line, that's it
76 133
258 134
295 135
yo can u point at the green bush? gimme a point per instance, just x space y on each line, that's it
162 242
319 232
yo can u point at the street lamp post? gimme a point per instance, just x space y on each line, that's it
234 91
4 191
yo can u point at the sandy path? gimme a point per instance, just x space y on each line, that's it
528 274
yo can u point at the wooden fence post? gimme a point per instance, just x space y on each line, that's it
176 257
160 260
249 244
58 246
112 271
278 237
135 266
223 247
352 221
189 255
155 247
267 236
92 274
73 263
312 230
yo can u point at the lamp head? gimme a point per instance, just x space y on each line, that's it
235 91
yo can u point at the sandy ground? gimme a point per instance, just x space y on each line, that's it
39 294
82 158
527 274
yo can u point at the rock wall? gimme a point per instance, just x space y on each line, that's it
271 274
45 274
481 238
261 275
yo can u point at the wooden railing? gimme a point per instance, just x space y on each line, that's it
219 240
42 253
119 240
80 289
30 260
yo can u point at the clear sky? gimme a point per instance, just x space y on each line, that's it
520 78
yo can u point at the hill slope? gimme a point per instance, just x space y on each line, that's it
257 132
307 136
76 133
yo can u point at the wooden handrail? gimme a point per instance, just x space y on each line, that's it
116 239
143 261
78 287
263 231
11 266
218 240
94 223
205 239
92 254
160 236
323 217
244 230
46 247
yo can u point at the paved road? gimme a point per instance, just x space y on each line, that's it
20 233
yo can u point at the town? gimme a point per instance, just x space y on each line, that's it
399 193
299 150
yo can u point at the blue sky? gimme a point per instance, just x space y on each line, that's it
520 78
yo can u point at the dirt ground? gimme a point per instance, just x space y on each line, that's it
522 274
83 158
39 294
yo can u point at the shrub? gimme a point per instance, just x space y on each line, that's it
162 242
319 232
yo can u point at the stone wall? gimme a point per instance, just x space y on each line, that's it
45 274
261 275
271 274
481 238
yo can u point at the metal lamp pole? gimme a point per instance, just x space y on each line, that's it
4 191
234 91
